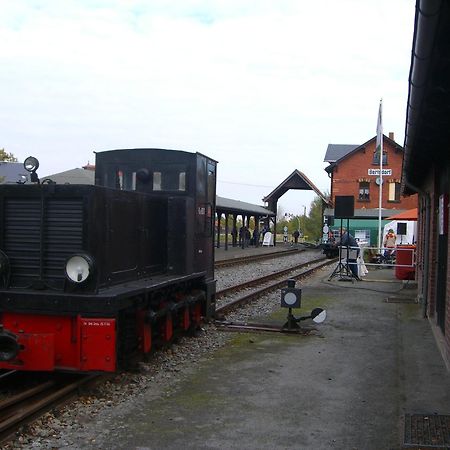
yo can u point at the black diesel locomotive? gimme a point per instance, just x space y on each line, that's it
93 276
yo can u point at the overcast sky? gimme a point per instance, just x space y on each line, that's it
261 86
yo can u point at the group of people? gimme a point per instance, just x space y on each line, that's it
349 241
244 237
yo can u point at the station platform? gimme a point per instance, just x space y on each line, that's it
221 254
349 383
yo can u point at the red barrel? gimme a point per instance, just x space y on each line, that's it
405 256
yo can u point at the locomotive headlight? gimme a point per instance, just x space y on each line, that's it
79 268
31 164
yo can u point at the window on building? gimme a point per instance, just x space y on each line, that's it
394 192
169 180
364 191
156 181
376 158
125 180
182 181
362 236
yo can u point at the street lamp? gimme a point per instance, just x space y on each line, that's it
291 216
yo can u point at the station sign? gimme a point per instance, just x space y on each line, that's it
376 172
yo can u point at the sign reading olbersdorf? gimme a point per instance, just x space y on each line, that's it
376 172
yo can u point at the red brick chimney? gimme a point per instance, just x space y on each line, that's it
391 135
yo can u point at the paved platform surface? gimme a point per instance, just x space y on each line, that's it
237 252
348 385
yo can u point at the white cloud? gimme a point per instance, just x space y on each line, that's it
262 86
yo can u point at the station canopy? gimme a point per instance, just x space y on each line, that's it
296 180
228 205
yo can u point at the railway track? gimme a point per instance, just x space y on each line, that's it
22 408
253 258
296 272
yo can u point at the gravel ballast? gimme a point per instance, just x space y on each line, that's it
81 423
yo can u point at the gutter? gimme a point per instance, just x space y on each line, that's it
425 28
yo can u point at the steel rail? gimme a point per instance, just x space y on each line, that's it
221 310
7 373
265 278
28 405
261 257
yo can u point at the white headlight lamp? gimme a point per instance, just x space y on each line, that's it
79 268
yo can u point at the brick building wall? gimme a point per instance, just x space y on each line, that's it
355 170
447 312
431 277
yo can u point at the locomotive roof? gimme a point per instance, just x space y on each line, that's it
153 149
83 176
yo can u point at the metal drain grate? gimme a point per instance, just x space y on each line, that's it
427 431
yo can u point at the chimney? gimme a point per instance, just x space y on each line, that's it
89 166
391 135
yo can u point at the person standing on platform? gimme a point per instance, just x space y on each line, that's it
244 236
241 235
263 232
389 243
347 240
234 237
247 237
285 234
255 237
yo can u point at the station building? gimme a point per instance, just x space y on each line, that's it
354 171
426 167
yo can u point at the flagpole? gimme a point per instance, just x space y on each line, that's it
379 144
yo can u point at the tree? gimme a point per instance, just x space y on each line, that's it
9 157
312 225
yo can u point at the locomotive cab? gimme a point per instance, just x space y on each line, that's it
187 181
90 275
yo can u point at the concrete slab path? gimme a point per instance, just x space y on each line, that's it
346 386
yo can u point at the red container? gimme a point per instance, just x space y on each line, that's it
405 256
